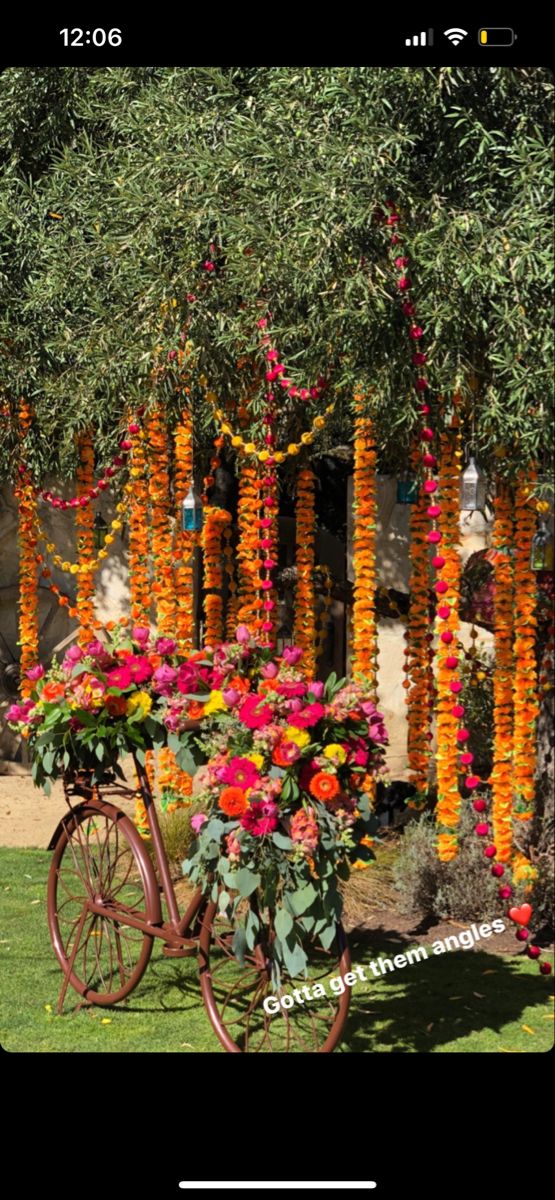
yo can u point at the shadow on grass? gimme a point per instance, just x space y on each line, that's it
431 1002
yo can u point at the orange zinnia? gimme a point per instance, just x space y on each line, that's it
233 801
324 786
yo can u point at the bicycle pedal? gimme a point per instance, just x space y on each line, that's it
179 951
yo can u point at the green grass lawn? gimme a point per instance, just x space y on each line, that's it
457 1002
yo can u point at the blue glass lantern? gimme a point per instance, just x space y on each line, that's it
407 490
191 512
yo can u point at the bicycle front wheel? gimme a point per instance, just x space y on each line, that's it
234 992
100 858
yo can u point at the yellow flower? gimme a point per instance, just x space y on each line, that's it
236 441
116 525
359 865
334 750
74 568
307 438
139 702
299 736
292 448
257 759
249 448
263 455
367 841
279 456
319 422
215 703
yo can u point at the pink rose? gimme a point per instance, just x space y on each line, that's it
198 821
140 634
35 672
292 655
242 634
165 645
163 679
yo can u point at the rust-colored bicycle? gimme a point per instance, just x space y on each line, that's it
106 901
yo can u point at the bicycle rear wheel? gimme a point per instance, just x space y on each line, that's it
100 858
234 992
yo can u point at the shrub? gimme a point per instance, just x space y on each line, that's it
177 833
463 889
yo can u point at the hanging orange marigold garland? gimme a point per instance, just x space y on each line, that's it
247 549
139 535
364 545
501 777
215 522
185 540
525 681
28 582
448 794
84 524
162 533
420 683
305 600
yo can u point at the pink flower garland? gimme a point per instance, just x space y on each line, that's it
119 461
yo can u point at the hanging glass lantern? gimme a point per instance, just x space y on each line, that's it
191 512
100 529
541 552
473 488
407 490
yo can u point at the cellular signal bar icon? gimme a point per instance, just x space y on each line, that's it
421 39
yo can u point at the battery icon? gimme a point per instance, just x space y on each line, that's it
496 37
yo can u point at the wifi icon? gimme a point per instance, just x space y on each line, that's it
455 35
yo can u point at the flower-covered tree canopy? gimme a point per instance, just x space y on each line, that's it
226 193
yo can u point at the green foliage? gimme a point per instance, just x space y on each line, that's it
281 171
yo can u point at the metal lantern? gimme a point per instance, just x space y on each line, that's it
473 488
407 490
541 552
191 512
100 529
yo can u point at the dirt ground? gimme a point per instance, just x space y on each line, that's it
27 816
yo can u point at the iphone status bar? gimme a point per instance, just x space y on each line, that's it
414 41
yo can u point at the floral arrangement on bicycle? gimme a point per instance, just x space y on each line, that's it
102 701
285 762
284 810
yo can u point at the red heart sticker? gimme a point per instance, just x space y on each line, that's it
521 916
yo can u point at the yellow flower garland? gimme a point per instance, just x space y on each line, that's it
250 448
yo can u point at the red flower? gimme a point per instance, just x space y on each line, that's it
254 713
310 715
